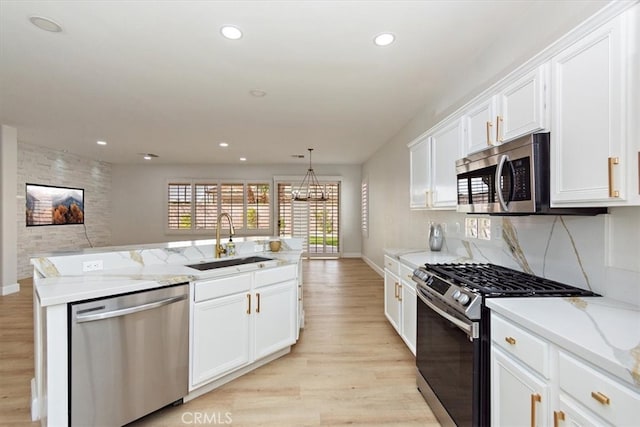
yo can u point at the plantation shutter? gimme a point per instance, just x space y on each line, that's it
179 210
364 199
232 202
258 207
206 206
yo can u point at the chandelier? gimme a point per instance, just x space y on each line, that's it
310 189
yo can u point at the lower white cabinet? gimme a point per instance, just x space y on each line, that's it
400 303
535 382
237 320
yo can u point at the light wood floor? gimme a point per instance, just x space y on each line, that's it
348 368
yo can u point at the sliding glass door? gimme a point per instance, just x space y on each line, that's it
318 223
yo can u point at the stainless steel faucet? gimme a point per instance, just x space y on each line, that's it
220 250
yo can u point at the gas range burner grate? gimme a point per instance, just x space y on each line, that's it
495 280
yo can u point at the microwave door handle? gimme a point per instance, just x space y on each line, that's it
503 204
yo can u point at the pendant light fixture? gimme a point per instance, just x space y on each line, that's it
309 189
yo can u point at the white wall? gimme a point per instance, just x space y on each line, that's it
139 197
39 165
8 233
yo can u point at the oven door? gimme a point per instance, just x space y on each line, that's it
449 364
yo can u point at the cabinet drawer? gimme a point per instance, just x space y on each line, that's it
522 344
275 275
208 289
406 274
603 395
392 265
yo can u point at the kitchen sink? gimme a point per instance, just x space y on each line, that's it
228 262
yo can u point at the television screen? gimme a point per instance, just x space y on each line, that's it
49 205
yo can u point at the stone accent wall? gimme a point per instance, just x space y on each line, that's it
39 165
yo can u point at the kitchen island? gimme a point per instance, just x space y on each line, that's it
61 279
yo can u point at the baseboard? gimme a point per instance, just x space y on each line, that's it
373 265
10 289
351 255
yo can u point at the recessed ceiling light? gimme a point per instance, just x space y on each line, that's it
384 39
101 142
224 144
148 156
243 159
231 32
258 93
46 24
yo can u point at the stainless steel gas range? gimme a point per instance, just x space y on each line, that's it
453 333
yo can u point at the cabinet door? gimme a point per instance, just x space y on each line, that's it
587 140
220 339
446 150
409 308
518 397
479 131
275 318
391 299
522 106
571 414
420 172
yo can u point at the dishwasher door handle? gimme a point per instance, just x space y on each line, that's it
129 310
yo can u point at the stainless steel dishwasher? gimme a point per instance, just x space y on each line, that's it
128 355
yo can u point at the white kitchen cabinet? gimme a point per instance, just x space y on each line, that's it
433 158
445 148
275 317
478 127
518 396
419 173
392 307
522 106
240 319
408 304
592 161
221 333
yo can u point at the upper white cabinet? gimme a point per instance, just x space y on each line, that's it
592 158
419 159
433 167
519 108
522 106
478 125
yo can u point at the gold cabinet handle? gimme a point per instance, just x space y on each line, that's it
498 121
612 161
600 397
534 399
396 290
258 298
399 292
557 417
489 125
510 340
249 300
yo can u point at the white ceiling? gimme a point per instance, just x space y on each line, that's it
151 76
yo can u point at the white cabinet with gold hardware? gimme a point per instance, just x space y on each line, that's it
594 159
392 292
522 106
433 158
240 319
478 125
519 397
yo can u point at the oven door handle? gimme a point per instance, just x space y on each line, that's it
470 328
503 204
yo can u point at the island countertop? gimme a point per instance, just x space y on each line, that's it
600 330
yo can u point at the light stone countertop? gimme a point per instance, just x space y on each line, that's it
600 330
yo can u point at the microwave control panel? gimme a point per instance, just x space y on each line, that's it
521 179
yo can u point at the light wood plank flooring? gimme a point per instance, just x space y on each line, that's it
348 368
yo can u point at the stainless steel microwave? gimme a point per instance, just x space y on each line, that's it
510 179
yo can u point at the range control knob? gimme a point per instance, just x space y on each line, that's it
463 299
456 295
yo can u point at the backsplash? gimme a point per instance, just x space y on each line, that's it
578 250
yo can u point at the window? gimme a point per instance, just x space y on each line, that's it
194 206
364 199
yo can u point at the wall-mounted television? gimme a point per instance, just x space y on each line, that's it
50 205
